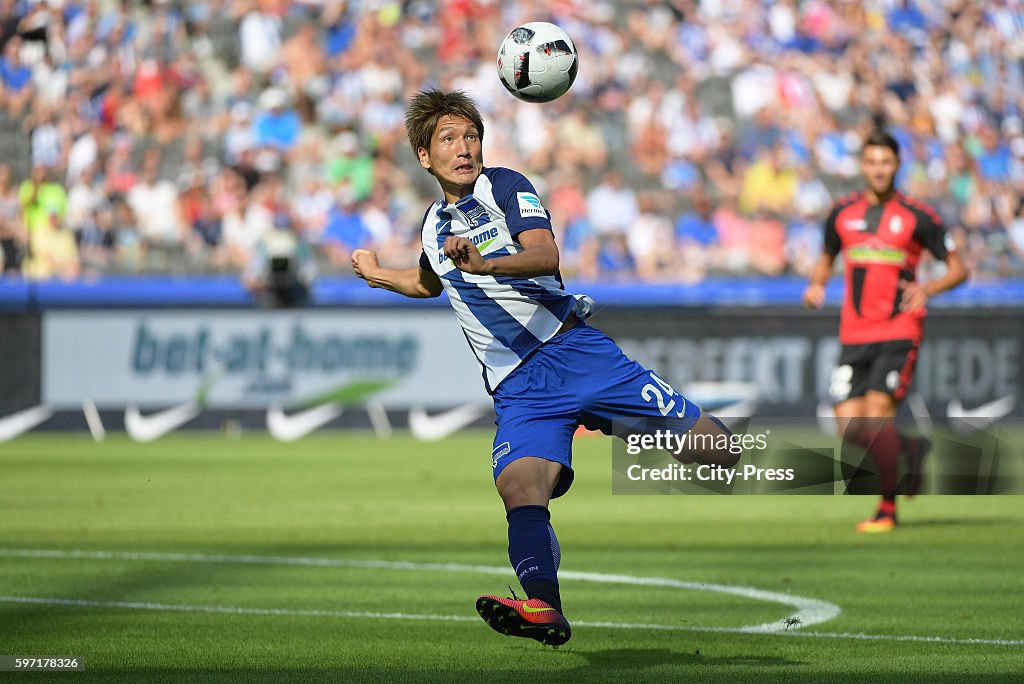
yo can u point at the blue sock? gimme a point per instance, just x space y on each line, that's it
534 553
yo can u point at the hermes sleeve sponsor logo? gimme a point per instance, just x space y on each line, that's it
529 205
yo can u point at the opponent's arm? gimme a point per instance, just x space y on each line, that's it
814 295
538 258
411 282
916 295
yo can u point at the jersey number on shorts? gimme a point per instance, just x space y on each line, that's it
651 393
841 385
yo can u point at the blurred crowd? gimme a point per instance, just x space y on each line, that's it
702 137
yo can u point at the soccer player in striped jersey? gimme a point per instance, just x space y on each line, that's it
881 234
488 244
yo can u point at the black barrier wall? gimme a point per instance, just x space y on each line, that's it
20 353
969 356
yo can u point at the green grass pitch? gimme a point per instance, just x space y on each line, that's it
148 540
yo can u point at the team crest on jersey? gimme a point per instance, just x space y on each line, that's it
477 216
503 449
529 205
896 225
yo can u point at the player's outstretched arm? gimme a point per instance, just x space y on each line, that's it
814 295
916 295
538 258
411 282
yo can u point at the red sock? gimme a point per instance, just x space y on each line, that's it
885 449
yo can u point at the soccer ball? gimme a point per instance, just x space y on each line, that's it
537 62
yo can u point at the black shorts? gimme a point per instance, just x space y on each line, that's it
881 366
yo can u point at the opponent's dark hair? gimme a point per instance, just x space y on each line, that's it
427 107
881 138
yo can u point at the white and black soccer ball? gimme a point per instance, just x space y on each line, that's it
537 62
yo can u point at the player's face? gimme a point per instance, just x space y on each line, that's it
878 164
455 155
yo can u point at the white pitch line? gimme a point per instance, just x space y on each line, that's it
235 610
809 611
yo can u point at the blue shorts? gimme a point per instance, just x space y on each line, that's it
579 377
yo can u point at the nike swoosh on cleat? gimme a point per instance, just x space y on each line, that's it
528 609
439 426
148 428
288 428
13 425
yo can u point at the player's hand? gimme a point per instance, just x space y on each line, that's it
915 296
464 255
814 296
364 263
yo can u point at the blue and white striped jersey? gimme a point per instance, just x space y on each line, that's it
504 317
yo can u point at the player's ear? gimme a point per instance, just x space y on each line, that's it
424 156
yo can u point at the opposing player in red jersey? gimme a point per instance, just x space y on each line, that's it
881 234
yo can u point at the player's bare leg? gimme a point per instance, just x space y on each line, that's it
527 482
525 487
847 411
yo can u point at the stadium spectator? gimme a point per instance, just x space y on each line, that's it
277 126
52 252
16 87
345 231
649 239
696 239
260 34
348 164
305 62
611 206
12 229
41 198
154 201
84 199
769 184
993 157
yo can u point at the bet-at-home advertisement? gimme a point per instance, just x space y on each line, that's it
247 360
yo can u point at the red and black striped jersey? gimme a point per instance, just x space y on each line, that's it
881 245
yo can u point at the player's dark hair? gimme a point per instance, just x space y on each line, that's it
881 138
427 107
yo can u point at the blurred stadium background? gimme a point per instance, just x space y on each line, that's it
181 186
174 174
